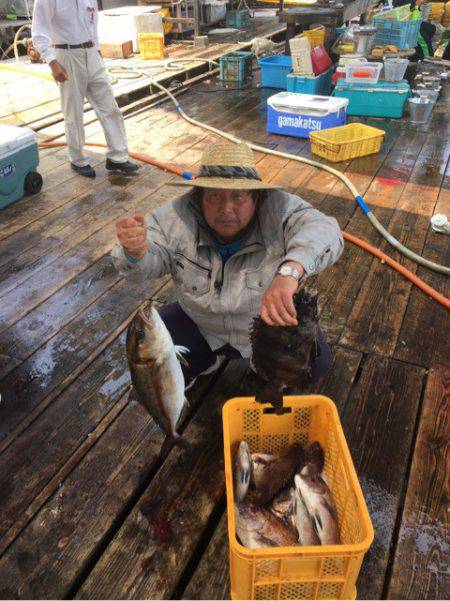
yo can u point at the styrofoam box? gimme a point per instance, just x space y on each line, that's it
119 25
297 115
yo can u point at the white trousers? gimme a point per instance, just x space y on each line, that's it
88 79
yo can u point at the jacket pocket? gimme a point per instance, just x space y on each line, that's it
193 278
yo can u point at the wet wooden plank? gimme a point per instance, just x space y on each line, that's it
340 286
426 320
420 569
378 421
56 273
384 296
211 580
44 448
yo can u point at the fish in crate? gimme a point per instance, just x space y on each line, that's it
283 499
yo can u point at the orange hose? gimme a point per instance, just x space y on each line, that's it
397 266
440 298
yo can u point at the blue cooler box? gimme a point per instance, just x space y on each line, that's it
382 99
319 84
297 115
19 158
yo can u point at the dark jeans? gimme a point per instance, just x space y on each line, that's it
185 332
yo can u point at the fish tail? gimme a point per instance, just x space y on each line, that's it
270 394
174 441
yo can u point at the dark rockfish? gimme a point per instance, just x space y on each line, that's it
155 370
283 356
314 459
260 461
277 474
257 527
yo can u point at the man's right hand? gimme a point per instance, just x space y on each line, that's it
132 235
58 72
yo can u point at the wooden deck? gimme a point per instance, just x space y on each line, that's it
42 110
88 509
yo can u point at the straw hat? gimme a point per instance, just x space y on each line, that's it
230 166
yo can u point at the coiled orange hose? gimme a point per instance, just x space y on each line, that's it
440 298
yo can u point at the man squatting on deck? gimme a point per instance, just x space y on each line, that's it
236 247
65 33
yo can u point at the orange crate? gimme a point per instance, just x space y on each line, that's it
151 45
318 572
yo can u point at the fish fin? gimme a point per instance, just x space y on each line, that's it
317 522
133 395
173 441
180 351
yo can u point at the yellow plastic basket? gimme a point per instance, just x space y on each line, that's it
346 142
316 37
151 45
319 572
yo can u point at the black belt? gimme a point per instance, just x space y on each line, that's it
74 46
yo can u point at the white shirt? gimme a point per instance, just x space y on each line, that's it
63 22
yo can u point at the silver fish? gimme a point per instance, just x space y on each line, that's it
244 471
307 534
257 527
319 503
155 370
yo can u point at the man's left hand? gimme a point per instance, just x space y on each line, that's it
278 305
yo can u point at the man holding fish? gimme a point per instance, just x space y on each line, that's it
236 248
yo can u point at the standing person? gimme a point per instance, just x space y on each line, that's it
65 34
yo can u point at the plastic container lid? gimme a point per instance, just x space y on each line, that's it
13 138
291 102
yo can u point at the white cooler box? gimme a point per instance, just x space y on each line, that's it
292 114
19 158
120 25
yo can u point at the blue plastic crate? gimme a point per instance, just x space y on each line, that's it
403 34
320 84
236 66
274 71
238 18
383 99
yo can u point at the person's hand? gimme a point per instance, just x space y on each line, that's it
278 305
58 72
132 235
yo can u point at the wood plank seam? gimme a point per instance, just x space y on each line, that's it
398 521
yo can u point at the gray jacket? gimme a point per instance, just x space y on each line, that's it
223 298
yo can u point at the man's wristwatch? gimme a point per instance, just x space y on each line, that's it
289 270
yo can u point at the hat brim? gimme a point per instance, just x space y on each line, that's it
227 183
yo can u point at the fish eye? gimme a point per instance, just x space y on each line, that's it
140 335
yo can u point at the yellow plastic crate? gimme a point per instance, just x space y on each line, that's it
318 572
151 45
346 142
316 37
